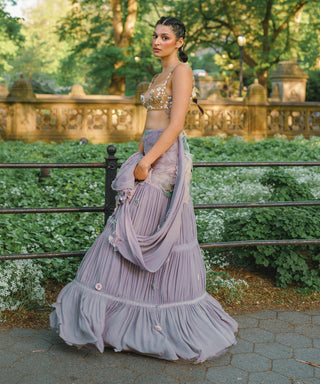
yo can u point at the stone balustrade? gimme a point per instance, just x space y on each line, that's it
100 119
104 119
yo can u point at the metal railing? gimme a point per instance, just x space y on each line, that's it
232 244
111 164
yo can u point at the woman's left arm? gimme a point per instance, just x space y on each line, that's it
182 83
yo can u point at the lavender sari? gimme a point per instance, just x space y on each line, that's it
141 286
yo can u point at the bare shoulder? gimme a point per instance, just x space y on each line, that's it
183 70
182 82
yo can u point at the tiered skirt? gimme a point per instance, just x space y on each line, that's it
165 313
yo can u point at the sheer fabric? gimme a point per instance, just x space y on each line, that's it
141 286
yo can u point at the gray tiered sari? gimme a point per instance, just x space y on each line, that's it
141 286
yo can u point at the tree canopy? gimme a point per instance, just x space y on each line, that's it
274 29
10 37
42 51
106 44
111 36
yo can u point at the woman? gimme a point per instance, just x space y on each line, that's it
141 286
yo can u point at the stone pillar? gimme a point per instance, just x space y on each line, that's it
77 91
4 92
275 94
208 85
256 100
290 80
23 119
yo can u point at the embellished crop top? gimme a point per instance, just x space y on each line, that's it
157 98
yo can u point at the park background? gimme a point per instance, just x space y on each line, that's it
105 47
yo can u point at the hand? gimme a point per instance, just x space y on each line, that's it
141 171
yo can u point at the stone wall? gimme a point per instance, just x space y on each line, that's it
104 119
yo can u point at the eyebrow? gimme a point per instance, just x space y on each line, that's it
165 33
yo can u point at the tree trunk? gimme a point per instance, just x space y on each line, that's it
123 34
117 85
263 78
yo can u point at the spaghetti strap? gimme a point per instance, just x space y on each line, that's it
152 80
170 73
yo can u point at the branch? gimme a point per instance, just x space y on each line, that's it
156 9
265 24
230 25
291 14
248 59
287 46
309 363
199 31
210 18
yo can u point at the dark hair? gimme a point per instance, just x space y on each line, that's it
179 30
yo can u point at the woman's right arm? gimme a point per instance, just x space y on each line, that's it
141 144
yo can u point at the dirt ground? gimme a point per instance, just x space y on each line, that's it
261 294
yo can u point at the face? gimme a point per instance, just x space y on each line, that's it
164 42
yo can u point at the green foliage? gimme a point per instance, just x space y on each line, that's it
313 86
231 289
85 187
274 30
44 83
59 270
75 41
42 52
236 149
206 62
288 264
285 187
88 27
10 38
308 37
77 187
87 30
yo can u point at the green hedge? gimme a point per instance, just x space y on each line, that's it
85 187
288 264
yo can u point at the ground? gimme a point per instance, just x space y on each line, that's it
261 294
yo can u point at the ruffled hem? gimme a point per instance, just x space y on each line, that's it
193 331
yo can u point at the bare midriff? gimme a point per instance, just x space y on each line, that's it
157 119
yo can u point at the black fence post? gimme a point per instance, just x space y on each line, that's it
111 172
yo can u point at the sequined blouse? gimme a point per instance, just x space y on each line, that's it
157 98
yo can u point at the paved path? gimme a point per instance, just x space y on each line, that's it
269 345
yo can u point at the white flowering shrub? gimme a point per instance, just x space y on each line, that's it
20 284
280 136
233 290
36 233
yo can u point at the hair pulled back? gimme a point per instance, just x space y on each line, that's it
179 30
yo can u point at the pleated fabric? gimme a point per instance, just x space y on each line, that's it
141 285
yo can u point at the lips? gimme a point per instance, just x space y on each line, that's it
156 50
